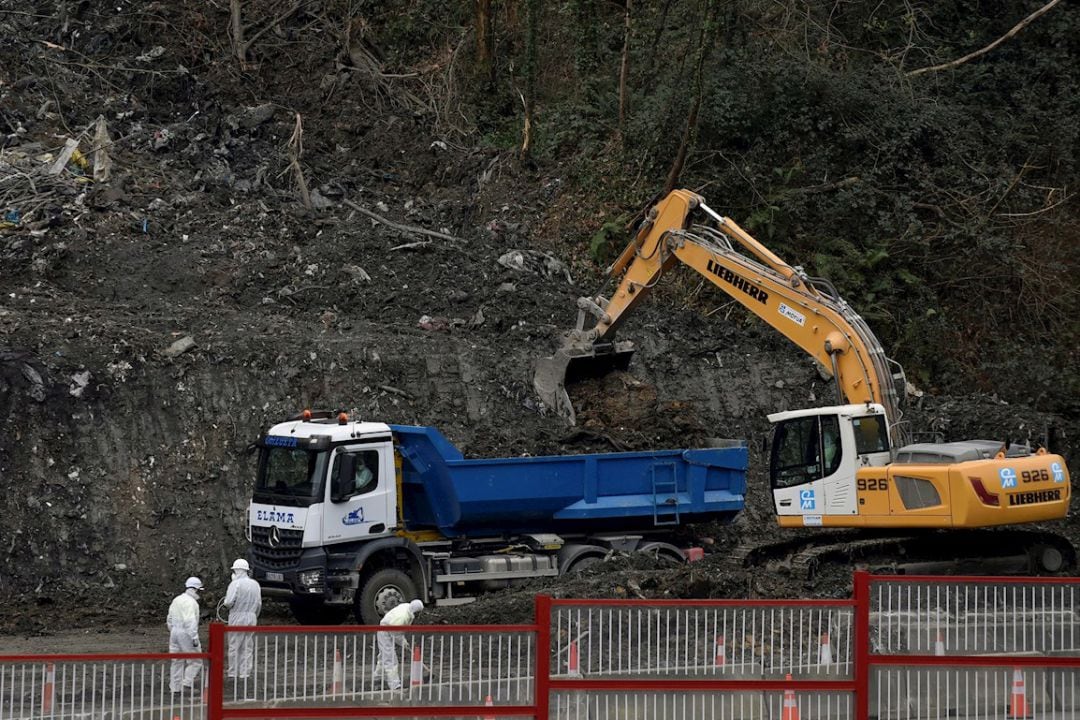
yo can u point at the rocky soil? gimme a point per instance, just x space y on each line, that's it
153 322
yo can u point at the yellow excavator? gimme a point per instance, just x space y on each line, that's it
844 466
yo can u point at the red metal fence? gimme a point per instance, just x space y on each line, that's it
902 648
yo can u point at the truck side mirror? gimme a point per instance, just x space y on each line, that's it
343 484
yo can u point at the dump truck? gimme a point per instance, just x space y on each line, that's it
358 516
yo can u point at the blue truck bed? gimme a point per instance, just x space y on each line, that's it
630 490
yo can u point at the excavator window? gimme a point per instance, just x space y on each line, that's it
871 435
805 449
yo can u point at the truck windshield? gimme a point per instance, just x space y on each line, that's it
291 473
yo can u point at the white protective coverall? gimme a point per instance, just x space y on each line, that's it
244 600
183 622
400 616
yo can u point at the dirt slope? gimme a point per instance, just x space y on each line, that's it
122 443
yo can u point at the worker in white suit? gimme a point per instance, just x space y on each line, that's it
400 616
183 623
244 600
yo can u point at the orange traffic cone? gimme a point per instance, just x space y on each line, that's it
488 702
416 671
1018 702
825 651
939 645
337 684
790 710
48 692
721 652
573 666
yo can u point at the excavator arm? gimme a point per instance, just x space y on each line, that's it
807 311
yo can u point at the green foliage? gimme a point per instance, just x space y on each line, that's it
609 239
934 202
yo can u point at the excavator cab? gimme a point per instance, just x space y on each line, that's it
815 456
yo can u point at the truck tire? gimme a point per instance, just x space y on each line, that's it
663 550
382 592
316 612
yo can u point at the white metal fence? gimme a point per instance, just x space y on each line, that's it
429 668
974 618
97 690
710 640
629 705
935 693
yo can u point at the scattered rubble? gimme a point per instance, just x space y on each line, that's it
418 287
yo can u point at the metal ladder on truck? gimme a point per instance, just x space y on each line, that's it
665 488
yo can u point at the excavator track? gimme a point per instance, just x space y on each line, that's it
977 552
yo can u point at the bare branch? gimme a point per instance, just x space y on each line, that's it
971 56
296 151
412 229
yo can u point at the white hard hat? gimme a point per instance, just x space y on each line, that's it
193 582
415 606
241 564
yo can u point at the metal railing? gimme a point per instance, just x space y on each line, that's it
902 648
717 638
969 647
438 665
93 687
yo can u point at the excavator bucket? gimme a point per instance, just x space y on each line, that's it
573 363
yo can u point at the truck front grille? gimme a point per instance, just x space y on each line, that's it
284 553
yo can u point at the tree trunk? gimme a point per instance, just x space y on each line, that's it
624 69
237 23
532 30
705 42
485 42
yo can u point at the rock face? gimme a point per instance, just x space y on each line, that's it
153 321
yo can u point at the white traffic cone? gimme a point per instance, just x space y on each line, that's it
48 692
721 652
416 670
939 645
488 702
825 651
337 684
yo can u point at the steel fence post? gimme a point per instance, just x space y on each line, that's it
216 688
543 656
861 589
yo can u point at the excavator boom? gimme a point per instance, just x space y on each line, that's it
809 312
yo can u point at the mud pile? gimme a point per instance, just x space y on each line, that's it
152 323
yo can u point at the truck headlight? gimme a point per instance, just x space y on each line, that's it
312 580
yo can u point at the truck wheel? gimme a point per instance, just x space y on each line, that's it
663 551
383 591
316 612
583 563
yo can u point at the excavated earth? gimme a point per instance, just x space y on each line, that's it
152 324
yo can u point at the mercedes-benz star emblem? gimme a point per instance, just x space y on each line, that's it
275 537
